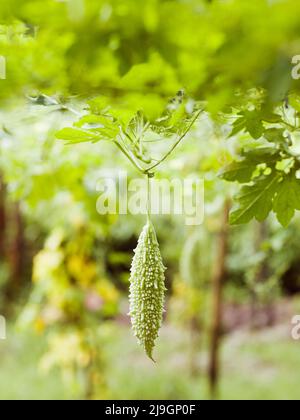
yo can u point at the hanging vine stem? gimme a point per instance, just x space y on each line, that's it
149 198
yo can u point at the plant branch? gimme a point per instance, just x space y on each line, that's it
175 144
147 171
127 154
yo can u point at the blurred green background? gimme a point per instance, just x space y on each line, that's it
64 269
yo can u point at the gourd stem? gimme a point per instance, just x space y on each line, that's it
149 176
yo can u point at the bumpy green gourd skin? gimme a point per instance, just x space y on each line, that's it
147 289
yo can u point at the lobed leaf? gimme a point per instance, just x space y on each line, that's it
255 200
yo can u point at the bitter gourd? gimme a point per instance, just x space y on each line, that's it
147 289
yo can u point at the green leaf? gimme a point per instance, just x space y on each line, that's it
255 200
137 126
91 121
254 124
177 117
287 199
274 135
262 155
271 117
238 126
243 170
75 135
250 121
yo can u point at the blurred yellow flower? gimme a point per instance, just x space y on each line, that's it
84 272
